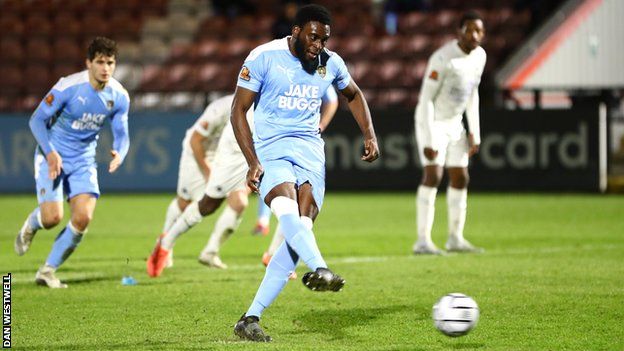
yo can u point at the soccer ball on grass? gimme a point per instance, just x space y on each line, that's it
455 314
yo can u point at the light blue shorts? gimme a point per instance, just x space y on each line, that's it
76 178
294 160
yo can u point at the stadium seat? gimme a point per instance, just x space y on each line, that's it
66 25
123 27
355 47
177 78
388 73
38 26
38 50
128 53
411 23
11 26
234 50
66 50
205 50
415 47
11 51
93 25
12 81
215 27
387 46
412 74
38 79
362 72
182 28
64 69
154 51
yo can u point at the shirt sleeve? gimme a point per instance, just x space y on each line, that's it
119 126
40 121
217 113
424 114
330 95
343 78
252 73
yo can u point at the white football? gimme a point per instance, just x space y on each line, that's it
455 314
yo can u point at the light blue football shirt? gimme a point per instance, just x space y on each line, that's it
73 113
289 99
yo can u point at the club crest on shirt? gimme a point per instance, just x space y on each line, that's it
433 75
110 104
42 192
244 74
49 99
322 71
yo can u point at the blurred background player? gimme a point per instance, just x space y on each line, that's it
198 152
226 180
66 126
328 111
286 79
450 88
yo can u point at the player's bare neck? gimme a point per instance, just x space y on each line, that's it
463 47
97 85
291 45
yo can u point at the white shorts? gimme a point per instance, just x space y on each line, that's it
229 172
191 181
451 143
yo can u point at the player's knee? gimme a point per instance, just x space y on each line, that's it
51 220
238 201
208 205
81 221
460 181
431 180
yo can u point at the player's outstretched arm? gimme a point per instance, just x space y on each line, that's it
361 113
243 99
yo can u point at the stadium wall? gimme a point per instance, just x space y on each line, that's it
547 150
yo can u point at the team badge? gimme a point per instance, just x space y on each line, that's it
244 74
110 104
433 75
322 71
49 99
42 192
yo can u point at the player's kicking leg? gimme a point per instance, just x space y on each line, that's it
46 215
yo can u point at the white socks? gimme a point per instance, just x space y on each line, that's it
278 236
225 226
186 221
457 200
173 212
425 211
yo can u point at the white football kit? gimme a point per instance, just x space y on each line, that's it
449 88
222 152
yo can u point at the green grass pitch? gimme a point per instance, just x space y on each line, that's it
552 278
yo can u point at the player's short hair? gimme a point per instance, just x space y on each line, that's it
469 16
103 46
310 13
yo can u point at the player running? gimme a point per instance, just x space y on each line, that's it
66 126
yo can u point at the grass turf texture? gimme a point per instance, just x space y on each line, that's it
551 279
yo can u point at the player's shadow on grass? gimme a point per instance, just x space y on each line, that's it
333 322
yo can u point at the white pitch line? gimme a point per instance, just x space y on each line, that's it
373 259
